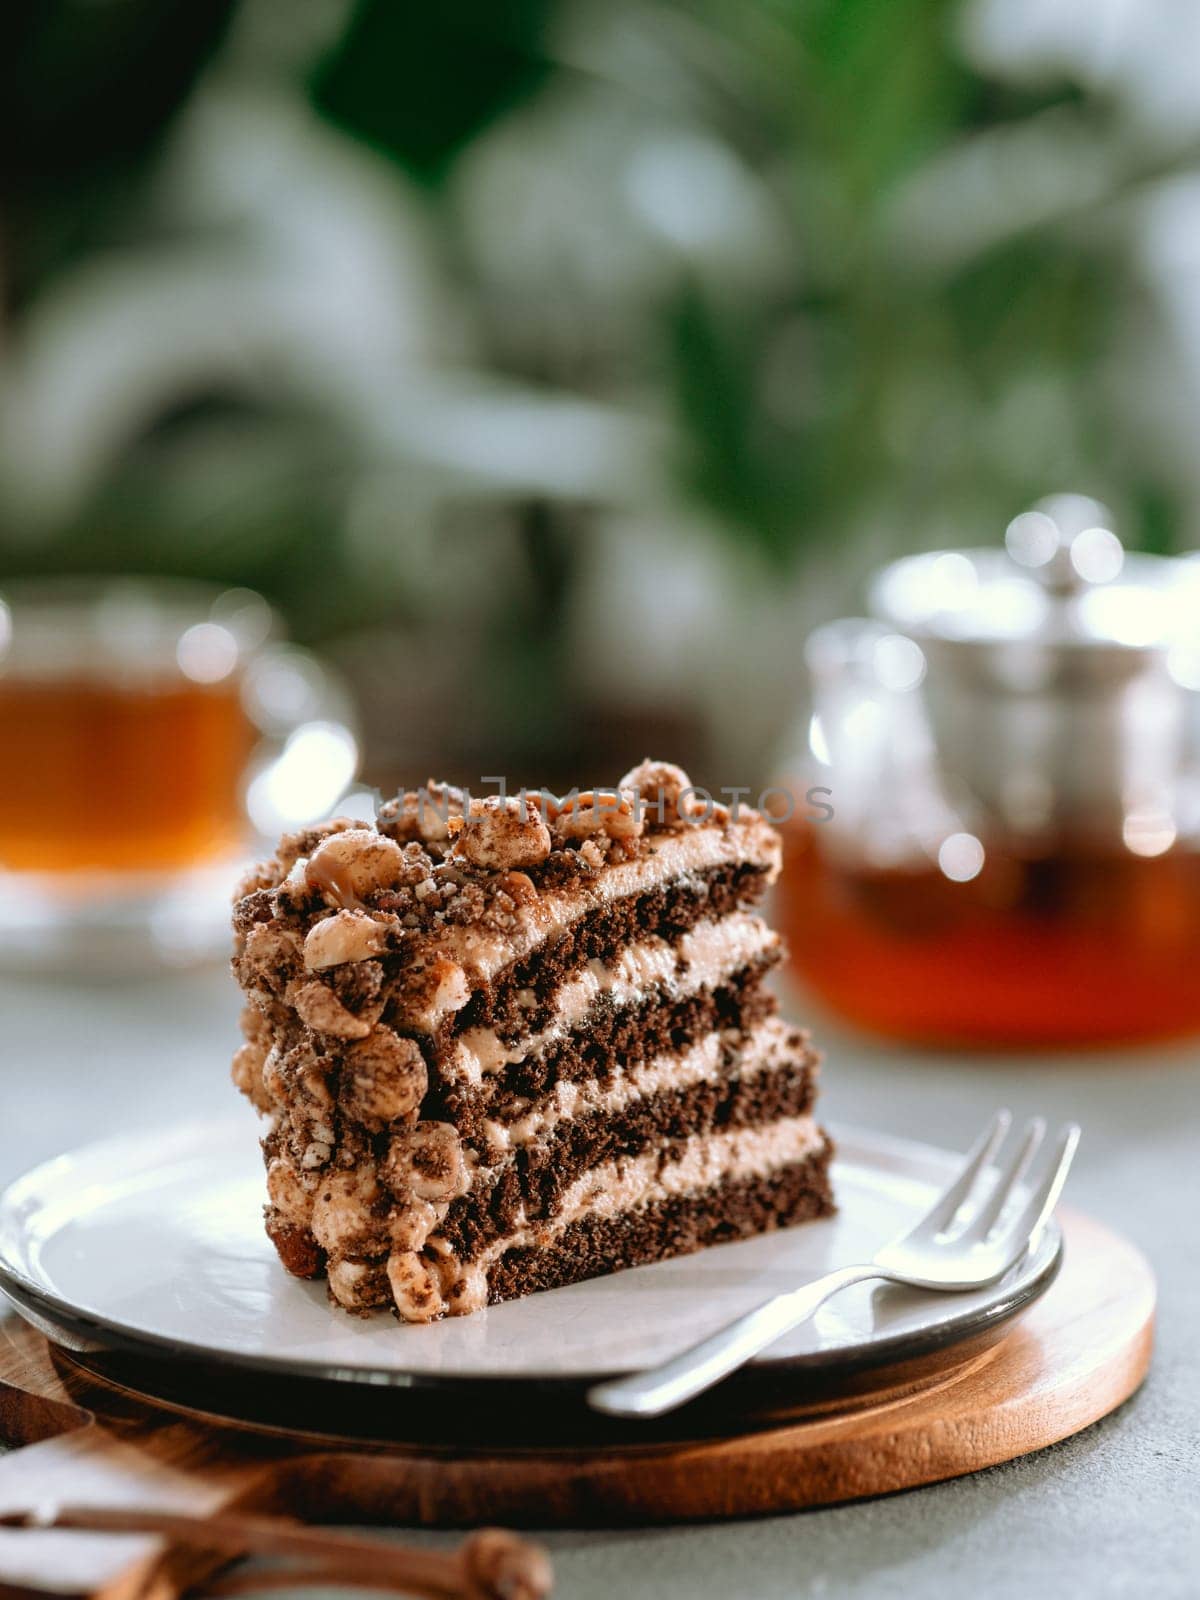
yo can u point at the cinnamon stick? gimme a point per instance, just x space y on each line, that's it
490 1564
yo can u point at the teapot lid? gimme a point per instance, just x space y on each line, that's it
1063 579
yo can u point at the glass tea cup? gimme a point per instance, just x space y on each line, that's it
149 730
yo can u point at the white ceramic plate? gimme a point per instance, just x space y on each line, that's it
155 1243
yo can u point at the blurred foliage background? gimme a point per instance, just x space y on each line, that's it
554 364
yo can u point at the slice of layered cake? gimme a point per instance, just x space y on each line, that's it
506 1044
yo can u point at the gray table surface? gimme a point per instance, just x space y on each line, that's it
1114 1511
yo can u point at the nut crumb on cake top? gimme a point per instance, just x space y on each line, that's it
435 857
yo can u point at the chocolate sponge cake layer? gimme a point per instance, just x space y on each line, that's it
614 1040
667 912
520 1044
532 1182
675 1227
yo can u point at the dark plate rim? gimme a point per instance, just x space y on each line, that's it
31 1297
30 1300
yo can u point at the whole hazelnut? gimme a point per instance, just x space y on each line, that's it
606 811
497 1562
423 813
661 788
415 1287
269 955
247 1073
348 865
288 1192
343 1216
502 832
345 936
410 1225
467 1291
384 1077
433 991
358 1285
427 1162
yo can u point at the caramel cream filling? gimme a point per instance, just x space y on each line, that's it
701 959
765 1048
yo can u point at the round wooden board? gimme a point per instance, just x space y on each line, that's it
1076 1355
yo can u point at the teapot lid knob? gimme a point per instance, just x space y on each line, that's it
1066 542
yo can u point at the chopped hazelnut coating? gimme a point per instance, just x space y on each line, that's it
436 991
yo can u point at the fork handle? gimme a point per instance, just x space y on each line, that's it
662 1388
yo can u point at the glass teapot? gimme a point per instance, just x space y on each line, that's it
1012 742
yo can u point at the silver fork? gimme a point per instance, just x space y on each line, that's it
932 1255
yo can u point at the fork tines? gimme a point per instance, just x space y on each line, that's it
985 1214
